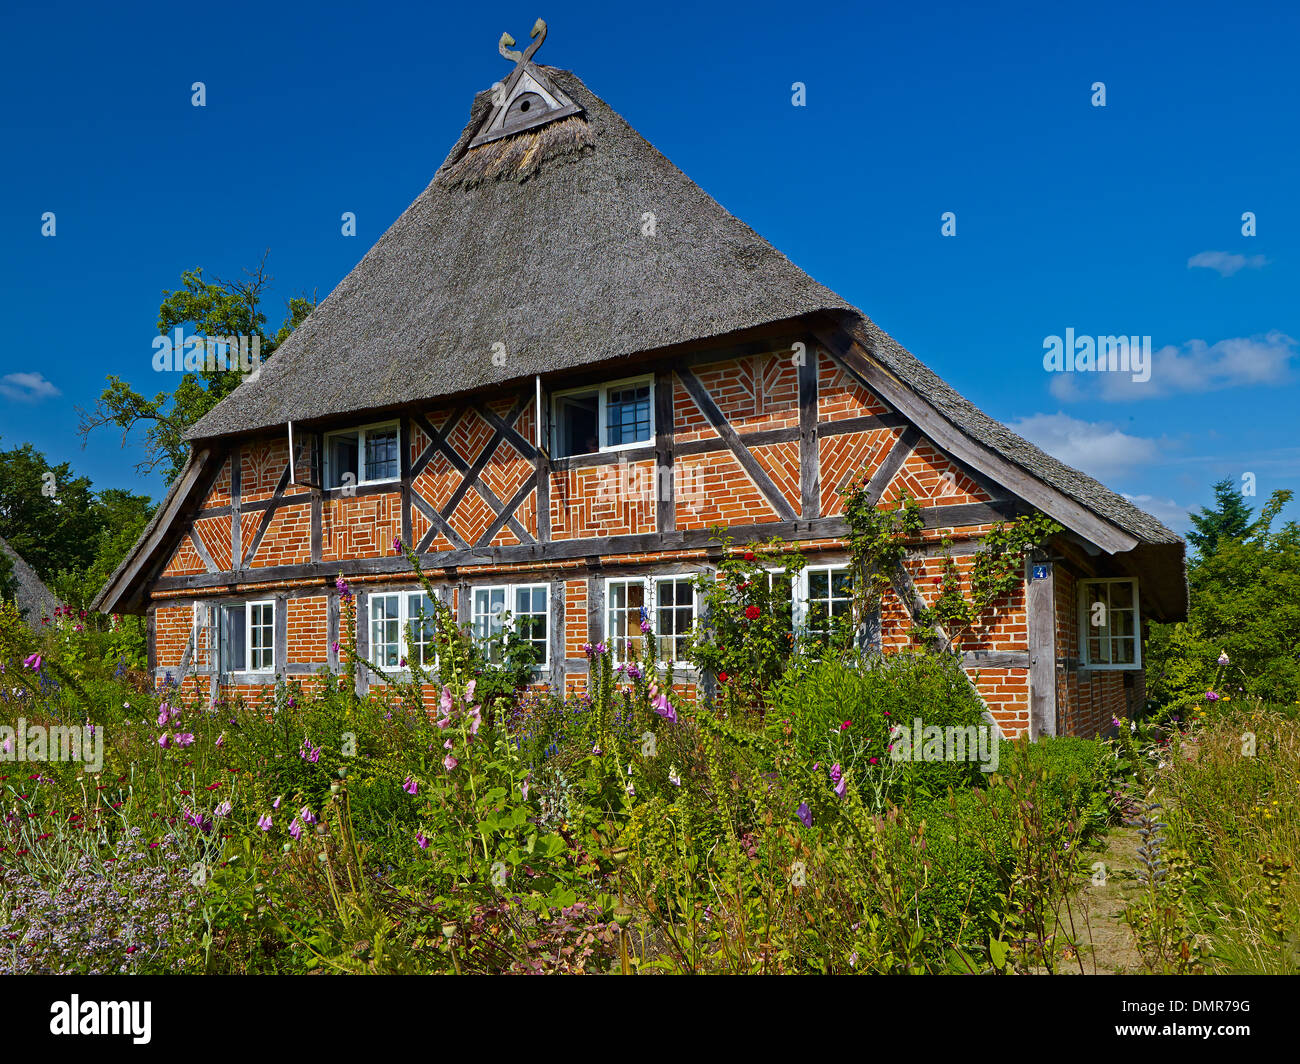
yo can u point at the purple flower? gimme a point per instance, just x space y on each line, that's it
222 810
804 814
664 708
476 718
164 740
184 738
33 662
449 762
276 803
295 829
421 841
410 786
1223 657
836 772
264 821
308 817
397 545
1210 696
221 739
469 691
523 786
841 787
444 701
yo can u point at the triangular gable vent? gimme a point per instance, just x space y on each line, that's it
527 98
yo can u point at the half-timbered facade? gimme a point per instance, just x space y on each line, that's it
558 375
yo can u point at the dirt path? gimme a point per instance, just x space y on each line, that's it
1112 950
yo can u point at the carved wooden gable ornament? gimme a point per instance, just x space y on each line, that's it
526 99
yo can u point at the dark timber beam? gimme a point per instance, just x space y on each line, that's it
574 549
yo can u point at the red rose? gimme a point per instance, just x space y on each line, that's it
723 677
749 555
752 613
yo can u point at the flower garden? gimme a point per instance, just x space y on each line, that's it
514 831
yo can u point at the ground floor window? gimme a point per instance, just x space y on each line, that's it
1109 624
242 635
825 602
666 604
521 610
402 628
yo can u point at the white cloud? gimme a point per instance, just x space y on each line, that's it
27 387
1096 447
1226 263
1170 513
1239 362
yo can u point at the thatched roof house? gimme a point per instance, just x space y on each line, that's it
556 250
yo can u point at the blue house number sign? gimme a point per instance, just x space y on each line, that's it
1040 572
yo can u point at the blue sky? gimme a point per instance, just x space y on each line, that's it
1124 219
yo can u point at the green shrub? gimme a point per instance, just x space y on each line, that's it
872 696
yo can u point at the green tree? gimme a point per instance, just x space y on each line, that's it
209 309
1229 520
53 522
1245 602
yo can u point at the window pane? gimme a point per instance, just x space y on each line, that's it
1124 652
385 629
675 617
381 454
626 600
627 415
1121 596
341 458
423 631
576 422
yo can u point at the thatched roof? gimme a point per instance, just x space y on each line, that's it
534 242
34 599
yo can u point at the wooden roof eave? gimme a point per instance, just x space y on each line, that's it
957 443
123 593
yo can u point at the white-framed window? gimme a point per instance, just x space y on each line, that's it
367 455
1110 627
522 609
668 600
391 615
606 417
674 616
825 596
261 635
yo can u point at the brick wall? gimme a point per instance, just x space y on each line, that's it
757 393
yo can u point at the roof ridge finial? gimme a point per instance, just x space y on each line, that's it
504 46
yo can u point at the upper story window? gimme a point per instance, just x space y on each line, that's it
362 456
1109 624
604 418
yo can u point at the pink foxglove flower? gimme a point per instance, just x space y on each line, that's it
33 662
410 786
295 829
264 821
421 841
